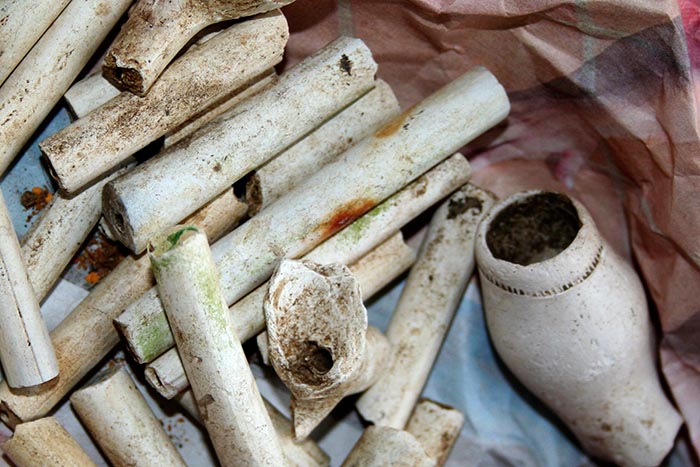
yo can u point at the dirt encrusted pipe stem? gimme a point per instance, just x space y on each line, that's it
428 303
145 327
87 334
56 236
155 32
223 385
48 70
28 358
381 446
103 138
121 422
323 145
16 36
318 339
436 427
297 453
373 271
167 188
46 443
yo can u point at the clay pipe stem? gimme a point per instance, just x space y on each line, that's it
290 168
428 302
143 324
155 32
436 427
121 422
28 358
381 446
88 147
16 36
44 75
46 443
189 174
223 385
87 334
383 264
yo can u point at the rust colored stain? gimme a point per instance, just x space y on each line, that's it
394 125
345 215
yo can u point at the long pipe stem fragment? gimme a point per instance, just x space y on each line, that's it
89 93
28 358
103 138
46 443
44 75
121 422
155 32
223 384
16 36
436 427
290 168
182 178
373 271
428 302
87 334
381 446
145 327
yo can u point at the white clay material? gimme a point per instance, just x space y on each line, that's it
569 318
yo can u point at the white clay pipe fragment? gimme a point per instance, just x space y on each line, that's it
182 178
223 384
373 271
428 302
304 453
381 446
103 138
46 443
290 168
145 327
27 356
220 108
87 334
23 22
89 93
155 32
375 168
318 340
436 427
48 70
55 237
119 419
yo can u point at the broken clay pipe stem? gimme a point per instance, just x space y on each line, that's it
297 453
290 168
88 94
569 318
167 188
223 385
436 427
381 446
428 302
373 271
145 328
318 340
155 32
17 37
44 75
28 358
109 134
87 334
121 422
377 167
55 237
46 443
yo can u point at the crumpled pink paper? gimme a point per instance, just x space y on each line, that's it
604 107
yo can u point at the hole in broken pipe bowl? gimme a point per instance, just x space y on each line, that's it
533 229
313 361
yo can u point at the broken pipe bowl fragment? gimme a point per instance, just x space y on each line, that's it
569 318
